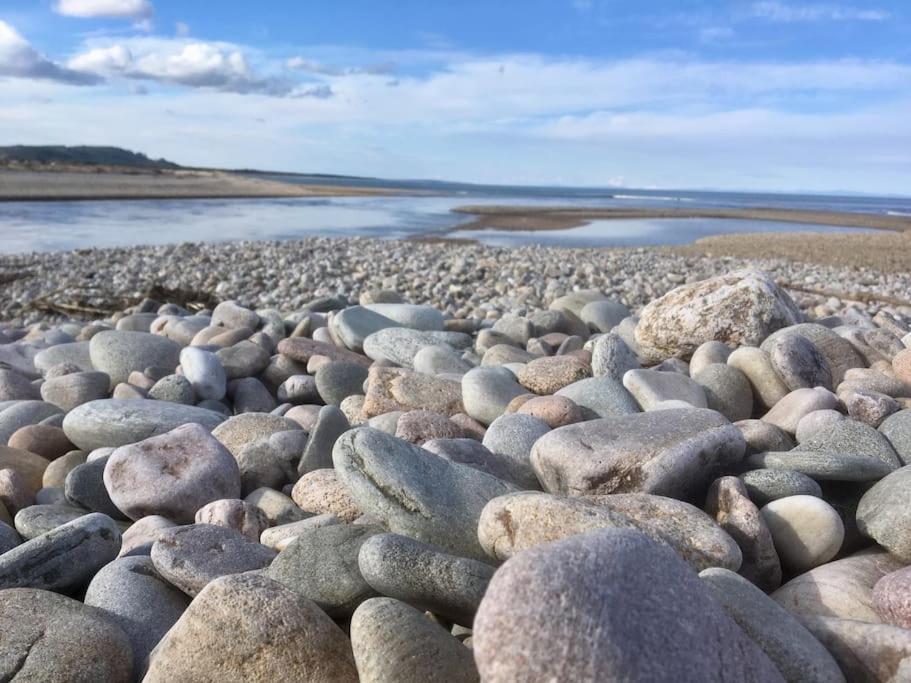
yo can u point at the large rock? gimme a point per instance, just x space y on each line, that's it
250 628
740 308
119 353
117 422
674 453
54 639
414 492
605 606
172 475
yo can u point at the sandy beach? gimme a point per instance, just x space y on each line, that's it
121 184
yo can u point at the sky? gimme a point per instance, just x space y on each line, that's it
766 95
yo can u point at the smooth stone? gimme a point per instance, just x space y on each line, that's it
399 345
174 388
762 436
799 656
337 380
418 426
392 389
650 387
172 475
866 653
22 414
755 364
675 453
787 413
235 514
278 508
301 349
502 354
330 424
730 506
73 390
118 353
117 422
554 411
73 353
15 494
191 556
321 564
279 537
817 422
139 538
424 577
437 360
739 308
263 464
600 397
414 492
798 362
17 387
892 598
513 523
487 391
413 316
603 316
727 390
807 531
709 353
54 639
513 436
243 359
884 515
851 436
35 520
766 485
84 487
131 593
9 539
298 390
546 376
205 372
574 302
230 314
251 628
843 588
29 466
392 641
63 558
897 429
55 474
838 351
239 431
354 324
472 453
45 440
544 618
822 466
869 407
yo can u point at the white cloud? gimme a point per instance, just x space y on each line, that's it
103 60
182 29
318 68
773 10
127 9
18 59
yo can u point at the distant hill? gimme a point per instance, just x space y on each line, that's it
79 156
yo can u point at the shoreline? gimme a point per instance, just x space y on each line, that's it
107 185
534 218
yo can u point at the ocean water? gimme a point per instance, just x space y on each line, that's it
45 226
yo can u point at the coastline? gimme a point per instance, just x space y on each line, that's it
535 218
89 185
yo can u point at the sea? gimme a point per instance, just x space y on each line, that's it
47 226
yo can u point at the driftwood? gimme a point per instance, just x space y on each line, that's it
93 303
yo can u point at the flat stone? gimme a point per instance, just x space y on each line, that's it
788 412
418 426
798 655
35 520
437 360
798 362
674 453
74 353
727 390
321 564
807 531
191 556
755 364
545 376
50 637
354 324
118 353
413 316
843 588
729 505
851 436
487 391
822 466
424 577
392 641
543 617
131 594
117 422
301 349
766 485
600 397
554 411
63 558
279 537
69 391
23 413
239 431
414 492
739 308
865 652
884 515
897 429
650 387
603 316
502 354
172 475
399 345
251 628
391 389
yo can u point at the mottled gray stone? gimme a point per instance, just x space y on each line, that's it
119 353
399 345
69 391
822 466
884 515
487 391
766 485
600 397
650 387
727 390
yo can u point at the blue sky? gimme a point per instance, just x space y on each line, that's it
763 95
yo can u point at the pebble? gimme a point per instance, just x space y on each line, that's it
543 617
204 371
554 411
394 642
9 539
817 422
788 412
838 351
806 530
64 557
230 314
50 637
415 317
336 380
650 387
438 360
545 376
755 364
762 436
68 391
798 362
414 492
709 353
603 316
241 430
850 436
22 414
392 389
278 537
487 391
865 652
235 514
354 324
892 598
17 387
28 466
727 390
85 487
278 508
139 538
251 628
674 453
118 353
600 397
35 520
766 485
418 426
612 357
513 436
243 359
399 345
883 513
897 429
191 556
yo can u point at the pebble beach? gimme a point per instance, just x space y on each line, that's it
342 460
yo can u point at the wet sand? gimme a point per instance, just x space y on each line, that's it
87 185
